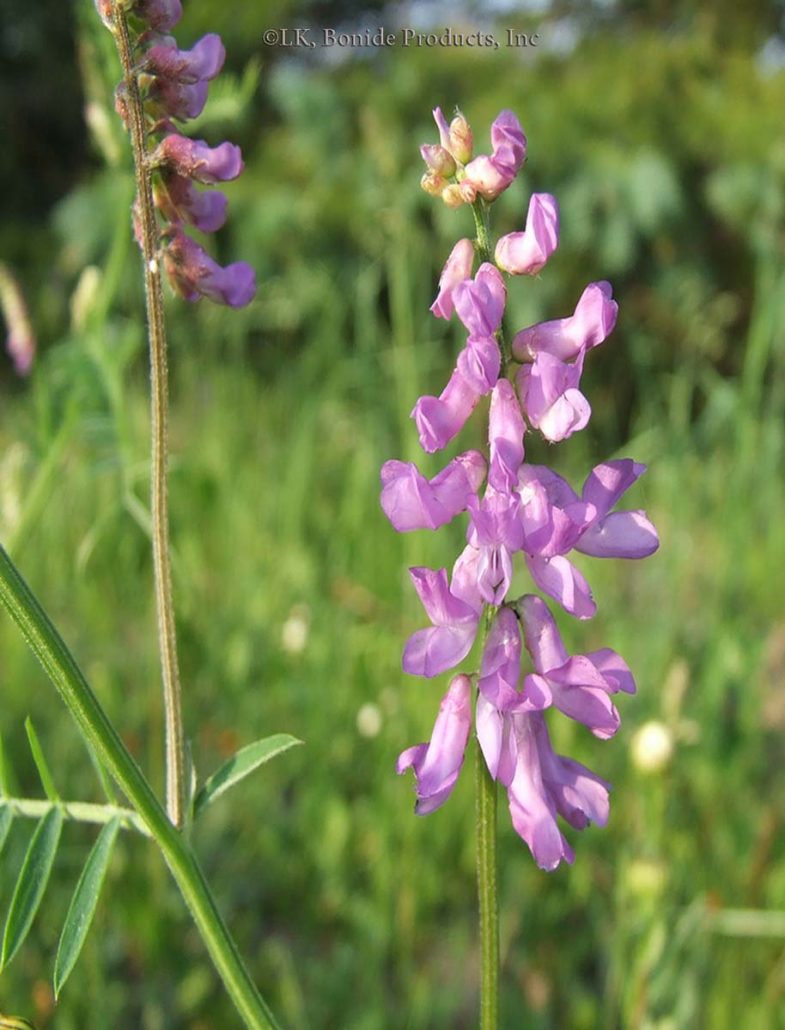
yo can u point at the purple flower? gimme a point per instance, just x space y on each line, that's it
615 534
505 436
194 159
160 15
447 642
525 253
490 176
194 274
495 533
410 501
437 764
439 419
457 268
203 61
577 687
480 301
592 322
540 784
500 671
550 396
178 200
178 99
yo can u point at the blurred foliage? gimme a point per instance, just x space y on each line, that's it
659 127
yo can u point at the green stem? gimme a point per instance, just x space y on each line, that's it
487 890
50 649
176 781
78 811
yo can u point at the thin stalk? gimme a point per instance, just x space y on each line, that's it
487 888
176 783
78 811
50 649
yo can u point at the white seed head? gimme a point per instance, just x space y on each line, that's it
369 720
652 747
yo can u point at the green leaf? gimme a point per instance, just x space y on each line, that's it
31 884
6 818
40 762
241 765
83 904
3 771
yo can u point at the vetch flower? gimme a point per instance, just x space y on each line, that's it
525 253
437 764
457 268
202 62
439 419
194 159
178 200
160 15
591 323
490 176
551 398
447 642
410 501
194 274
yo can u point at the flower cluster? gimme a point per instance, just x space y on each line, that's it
534 384
173 84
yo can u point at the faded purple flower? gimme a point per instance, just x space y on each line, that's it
194 159
194 274
178 99
203 61
160 15
179 200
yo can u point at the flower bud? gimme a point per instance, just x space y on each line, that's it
461 139
468 191
453 195
438 159
433 183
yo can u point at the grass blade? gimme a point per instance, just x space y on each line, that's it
83 904
40 762
3 771
240 765
6 818
31 884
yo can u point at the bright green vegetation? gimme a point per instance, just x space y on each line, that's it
293 601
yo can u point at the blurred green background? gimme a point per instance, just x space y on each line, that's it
660 127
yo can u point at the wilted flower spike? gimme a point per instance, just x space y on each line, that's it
512 508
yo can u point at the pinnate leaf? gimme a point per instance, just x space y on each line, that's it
240 765
31 884
40 762
83 904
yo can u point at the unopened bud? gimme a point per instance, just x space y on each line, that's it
438 159
433 183
468 191
461 139
452 195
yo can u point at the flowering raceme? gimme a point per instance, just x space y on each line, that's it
512 507
173 84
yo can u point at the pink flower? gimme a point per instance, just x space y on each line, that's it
565 338
550 396
490 176
457 268
437 764
525 253
454 626
410 501
439 419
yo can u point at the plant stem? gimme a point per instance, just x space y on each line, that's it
78 811
50 649
176 801
487 892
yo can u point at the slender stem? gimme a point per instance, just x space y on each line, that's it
50 649
487 892
175 744
78 811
